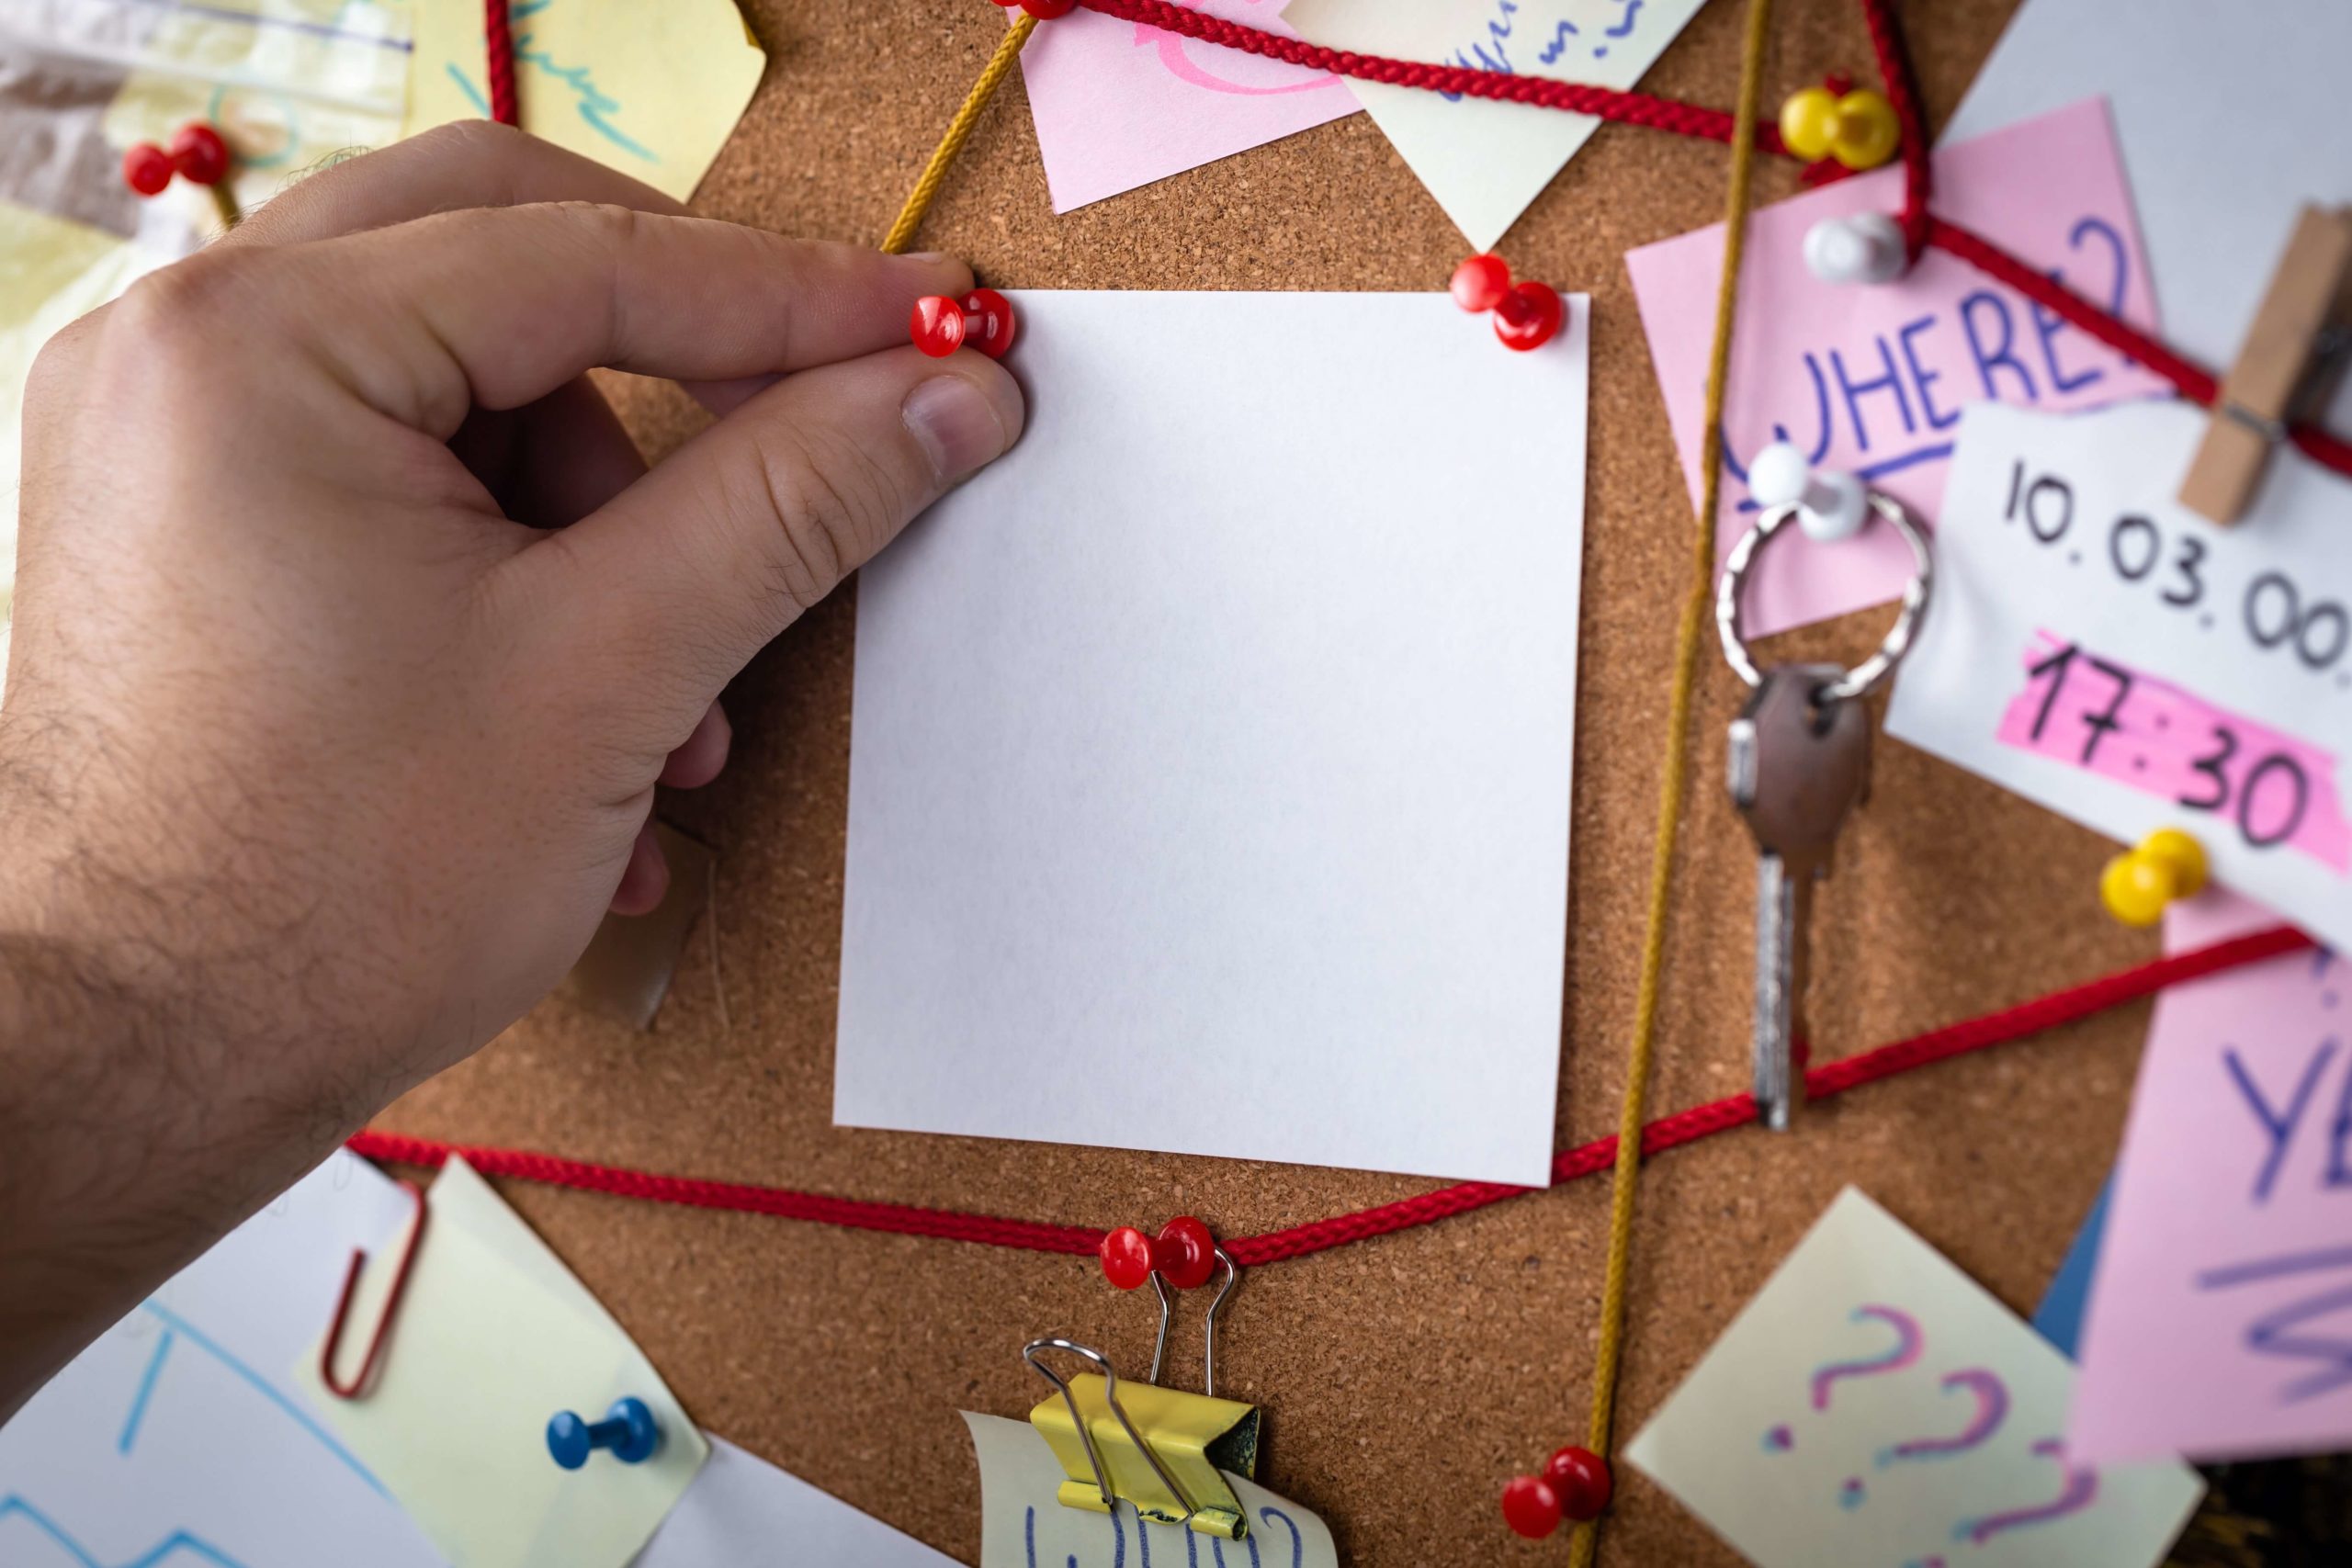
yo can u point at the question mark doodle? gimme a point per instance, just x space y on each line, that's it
1904 1351
1991 1408
2079 1493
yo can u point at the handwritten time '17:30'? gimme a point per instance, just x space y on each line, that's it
2150 734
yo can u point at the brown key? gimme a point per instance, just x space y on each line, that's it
1800 763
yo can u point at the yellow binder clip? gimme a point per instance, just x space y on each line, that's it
1159 1450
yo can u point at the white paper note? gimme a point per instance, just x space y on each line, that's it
1483 161
743 1510
1875 1405
1022 1525
2215 209
493 1337
177 1438
1210 758
2103 651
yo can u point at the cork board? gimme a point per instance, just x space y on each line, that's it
1404 1379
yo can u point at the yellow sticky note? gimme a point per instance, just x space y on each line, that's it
493 1337
652 90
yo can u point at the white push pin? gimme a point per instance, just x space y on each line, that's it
1830 505
1864 248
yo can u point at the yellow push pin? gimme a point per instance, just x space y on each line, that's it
2139 883
1857 128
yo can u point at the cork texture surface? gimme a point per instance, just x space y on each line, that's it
1404 1379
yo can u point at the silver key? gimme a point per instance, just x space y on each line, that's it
1798 767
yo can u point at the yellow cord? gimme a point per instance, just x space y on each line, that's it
1686 668
1610 1354
959 130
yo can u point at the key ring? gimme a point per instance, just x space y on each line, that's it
1864 677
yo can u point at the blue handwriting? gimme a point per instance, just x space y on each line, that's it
2279 1125
1491 49
1901 391
1268 1515
2270 1335
598 107
177 1546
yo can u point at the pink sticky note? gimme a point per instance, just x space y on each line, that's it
2151 735
1872 378
2220 1317
1119 105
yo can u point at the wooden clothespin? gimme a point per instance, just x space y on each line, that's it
2289 361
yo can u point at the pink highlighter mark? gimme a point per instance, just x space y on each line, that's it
1991 1397
2078 1489
2106 718
1119 105
1901 1354
1181 66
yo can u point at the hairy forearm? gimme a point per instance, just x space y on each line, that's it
339 693
141 1116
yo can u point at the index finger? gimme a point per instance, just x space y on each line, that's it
495 308
475 162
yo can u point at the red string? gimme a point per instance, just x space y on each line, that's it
2322 447
1683 1127
1699 1121
1920 226
781 1202
1903 96
2194 381
498 38
1602 102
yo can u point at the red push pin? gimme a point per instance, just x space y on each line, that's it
1183 1253
198 154
940 326
1044 10
1575 1485
1527 315
146 168
1480 283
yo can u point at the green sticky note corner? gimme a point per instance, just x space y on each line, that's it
492 1337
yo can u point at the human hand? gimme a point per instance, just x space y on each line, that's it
352 638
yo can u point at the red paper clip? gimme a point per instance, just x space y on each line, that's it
353 1389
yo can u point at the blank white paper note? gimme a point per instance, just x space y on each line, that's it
1211 751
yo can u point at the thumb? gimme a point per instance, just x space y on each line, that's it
695 568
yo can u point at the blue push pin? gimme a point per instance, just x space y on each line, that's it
628 1429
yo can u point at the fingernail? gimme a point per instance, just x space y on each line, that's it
956 424
933 259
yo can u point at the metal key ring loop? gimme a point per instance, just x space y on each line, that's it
1864 677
